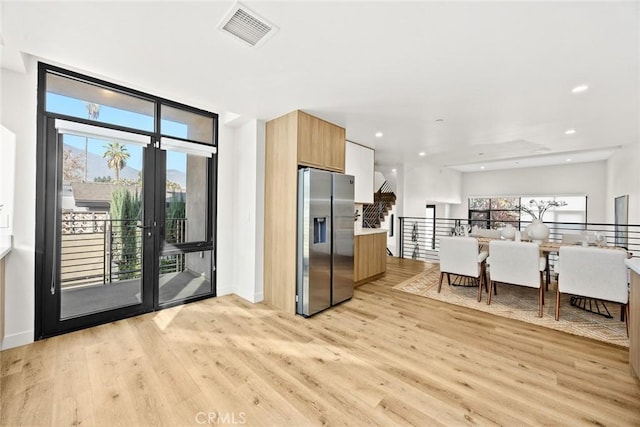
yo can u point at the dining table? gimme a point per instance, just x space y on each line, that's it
547 247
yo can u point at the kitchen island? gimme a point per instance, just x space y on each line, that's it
634 316
370 255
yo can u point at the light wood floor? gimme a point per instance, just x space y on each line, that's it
383 358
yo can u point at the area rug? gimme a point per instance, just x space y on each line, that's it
521 303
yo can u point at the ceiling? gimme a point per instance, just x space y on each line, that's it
468 84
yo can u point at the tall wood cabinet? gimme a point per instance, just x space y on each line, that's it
294 139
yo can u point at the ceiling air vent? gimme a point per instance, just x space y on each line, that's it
246 25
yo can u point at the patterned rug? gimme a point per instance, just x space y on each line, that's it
521 303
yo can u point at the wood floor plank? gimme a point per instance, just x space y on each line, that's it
383 358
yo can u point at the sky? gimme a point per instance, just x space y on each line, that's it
78 108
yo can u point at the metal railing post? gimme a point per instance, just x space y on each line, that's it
108 252
401 238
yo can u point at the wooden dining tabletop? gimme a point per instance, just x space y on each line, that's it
545 246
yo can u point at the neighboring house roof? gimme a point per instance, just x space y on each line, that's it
97 194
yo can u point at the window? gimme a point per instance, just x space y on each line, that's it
184 124
77 98
496 212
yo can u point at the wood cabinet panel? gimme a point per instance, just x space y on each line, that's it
370 256
320 144
334 152
2 285
634 324
310 146
281 183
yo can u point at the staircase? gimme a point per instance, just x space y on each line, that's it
374 213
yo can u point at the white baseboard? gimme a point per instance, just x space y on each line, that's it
252 298
228 290
17 340
224 290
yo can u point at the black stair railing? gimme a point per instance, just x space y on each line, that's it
383 201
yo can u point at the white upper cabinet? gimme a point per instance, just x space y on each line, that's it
359 163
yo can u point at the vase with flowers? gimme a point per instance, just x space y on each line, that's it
537 230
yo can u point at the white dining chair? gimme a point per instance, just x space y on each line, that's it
597 273
462 256
517 263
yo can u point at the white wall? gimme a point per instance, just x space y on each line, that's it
378 180
225 269
247 209
574 179
386 224
7 176
429 185
240 206
623 177
18 99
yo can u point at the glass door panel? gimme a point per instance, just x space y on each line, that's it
185 275
100 243
125 202
186 252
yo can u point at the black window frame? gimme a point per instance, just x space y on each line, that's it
46 163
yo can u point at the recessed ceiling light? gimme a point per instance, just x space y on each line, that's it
422 153
393 170
570 131
379 134
568 160
581 88
481 167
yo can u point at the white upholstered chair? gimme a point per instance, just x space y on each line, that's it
517 263
462 256
590 272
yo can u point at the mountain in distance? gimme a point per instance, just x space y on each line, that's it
97 167
178 177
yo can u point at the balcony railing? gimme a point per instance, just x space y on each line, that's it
96 249
420 237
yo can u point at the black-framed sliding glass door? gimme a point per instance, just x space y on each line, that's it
96 243
126 203
186 252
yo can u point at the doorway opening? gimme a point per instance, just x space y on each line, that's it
125 202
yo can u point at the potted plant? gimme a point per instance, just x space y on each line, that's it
537 230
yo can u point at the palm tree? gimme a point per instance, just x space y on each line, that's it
116 156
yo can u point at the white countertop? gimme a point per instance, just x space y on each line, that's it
633 264
6 244
366 231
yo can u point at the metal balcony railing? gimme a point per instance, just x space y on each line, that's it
420 237
96 249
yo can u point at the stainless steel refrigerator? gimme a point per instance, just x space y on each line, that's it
325 240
